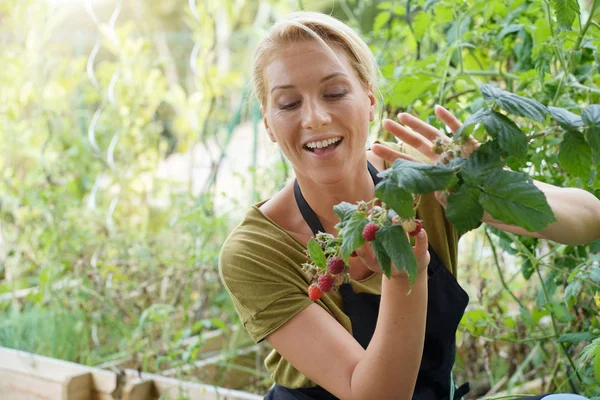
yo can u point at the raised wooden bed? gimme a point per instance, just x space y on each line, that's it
26 376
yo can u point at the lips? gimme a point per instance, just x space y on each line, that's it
318 145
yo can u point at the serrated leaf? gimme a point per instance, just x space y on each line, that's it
475 118
420 178
482 161
316 253
575 155
385 262
463 209
595 275
576 337
344 211
511 197
566 11
396 245
510 138
591 115
398 199
352 234
565 118
515 104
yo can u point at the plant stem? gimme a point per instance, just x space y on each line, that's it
487 234
586 26
535 264
519 341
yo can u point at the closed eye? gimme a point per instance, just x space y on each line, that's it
336 95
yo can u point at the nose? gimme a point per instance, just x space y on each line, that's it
315 114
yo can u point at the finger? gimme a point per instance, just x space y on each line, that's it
367 256
421 244
448 118
390 155
428 131
454 124
422 144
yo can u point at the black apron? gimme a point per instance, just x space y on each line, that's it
446 304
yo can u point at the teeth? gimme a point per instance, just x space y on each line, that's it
323 143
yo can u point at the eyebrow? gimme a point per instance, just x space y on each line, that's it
328 77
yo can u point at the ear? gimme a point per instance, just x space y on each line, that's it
372 103
271 136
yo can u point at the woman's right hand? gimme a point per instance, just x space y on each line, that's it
367 256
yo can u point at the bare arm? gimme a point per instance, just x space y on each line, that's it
577 212
321 349
577 215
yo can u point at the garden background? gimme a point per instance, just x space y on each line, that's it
130 147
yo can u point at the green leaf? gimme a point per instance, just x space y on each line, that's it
572 291
591 115
515 104
482 161
576 337
352 234
383 259
463 209
396 245
344 211
475 118
316 253
592 135
420 178
381 19
566 11
398 199
527 268
575 155
566 119
510 138
512 197
595 275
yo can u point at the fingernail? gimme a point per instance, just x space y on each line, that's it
421 235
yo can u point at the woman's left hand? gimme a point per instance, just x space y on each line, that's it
422 137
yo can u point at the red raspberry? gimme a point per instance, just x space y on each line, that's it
354 254
314 292
412 226
369 231
335 265
325 282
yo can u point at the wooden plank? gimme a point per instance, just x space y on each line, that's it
137 389
51 369
171 388
78 387
19 386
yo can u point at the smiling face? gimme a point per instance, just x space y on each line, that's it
317 110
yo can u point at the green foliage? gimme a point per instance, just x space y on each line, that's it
536 64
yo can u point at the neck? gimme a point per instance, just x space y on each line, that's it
323 196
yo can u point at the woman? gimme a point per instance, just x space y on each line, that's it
316 82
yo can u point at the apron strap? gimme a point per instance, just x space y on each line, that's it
309 215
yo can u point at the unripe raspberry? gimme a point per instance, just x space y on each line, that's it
395 220
369 231
335 265
314 293
412 226
339 280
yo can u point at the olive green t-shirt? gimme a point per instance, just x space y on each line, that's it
260 266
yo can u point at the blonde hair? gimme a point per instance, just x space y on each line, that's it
326 30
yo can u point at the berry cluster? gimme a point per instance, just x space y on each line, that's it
336 273
447 151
